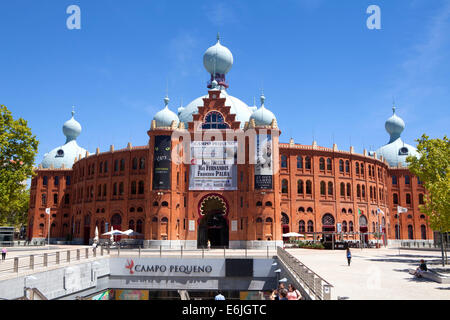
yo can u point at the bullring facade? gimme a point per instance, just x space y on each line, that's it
233 183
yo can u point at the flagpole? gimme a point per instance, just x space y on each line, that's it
49 230
398 221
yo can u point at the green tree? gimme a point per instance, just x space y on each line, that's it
18 148
432 167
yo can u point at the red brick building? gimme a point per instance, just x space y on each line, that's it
217 171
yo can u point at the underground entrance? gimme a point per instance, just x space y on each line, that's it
213 225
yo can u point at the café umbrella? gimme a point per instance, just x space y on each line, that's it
113 233
292 235
132 233
96 234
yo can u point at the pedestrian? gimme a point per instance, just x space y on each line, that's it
4 251
219 296
283 294
209 245
94 246
421 269
293 294
349 256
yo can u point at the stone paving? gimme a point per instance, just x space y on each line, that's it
375 274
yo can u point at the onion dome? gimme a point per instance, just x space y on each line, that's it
65 155
262 117
394 126
165 117
396 151
218 59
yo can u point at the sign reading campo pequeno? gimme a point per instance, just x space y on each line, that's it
185 269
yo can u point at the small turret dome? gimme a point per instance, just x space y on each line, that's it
165 117
218 59
395 126
262 116
72 128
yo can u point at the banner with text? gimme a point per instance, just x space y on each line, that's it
264 163
161 163
213 165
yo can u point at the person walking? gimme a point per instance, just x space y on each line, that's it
293 294
4 251
349 256
209 245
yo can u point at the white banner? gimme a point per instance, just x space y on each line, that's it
213 165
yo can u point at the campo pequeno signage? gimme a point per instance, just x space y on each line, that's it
168 267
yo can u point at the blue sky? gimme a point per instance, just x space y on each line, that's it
324 73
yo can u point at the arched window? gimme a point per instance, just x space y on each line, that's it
350 211
121 189
358 191
259 203
341 165
135 163
284 186
122 164
164 204
44 199
342 189
155 204
421 201
308 187
133 187
328 220
100 168
299 162
215 120
259 220
116 165
397 232
343 210
268 204
344 226
423 232
410 232
301 209
105 170
132 209
308 163
363 191
330 188
394 180
269 220
116 221
395 198
371 192
357 168
309 209
350 226
349 190
141 187
283 161
329 164
164 220
55 198
347 166
131 225
139 209
362 168
301 226
407 179
322 164
300 187
310 226
142 164
322 188
284 219
45 180
408 198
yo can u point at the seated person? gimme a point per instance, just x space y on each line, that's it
421 269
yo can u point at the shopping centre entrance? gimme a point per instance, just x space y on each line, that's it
213 226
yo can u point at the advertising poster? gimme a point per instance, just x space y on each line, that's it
106 295
213 165
264 163
161 163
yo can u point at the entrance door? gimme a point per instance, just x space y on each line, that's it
87 229
213 226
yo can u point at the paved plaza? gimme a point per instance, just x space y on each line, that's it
375 274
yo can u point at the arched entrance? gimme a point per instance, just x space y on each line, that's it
328 227
284 225
213 224
116 224
363 229
87 229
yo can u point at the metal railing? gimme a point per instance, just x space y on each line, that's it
317 286
420 244
41 261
